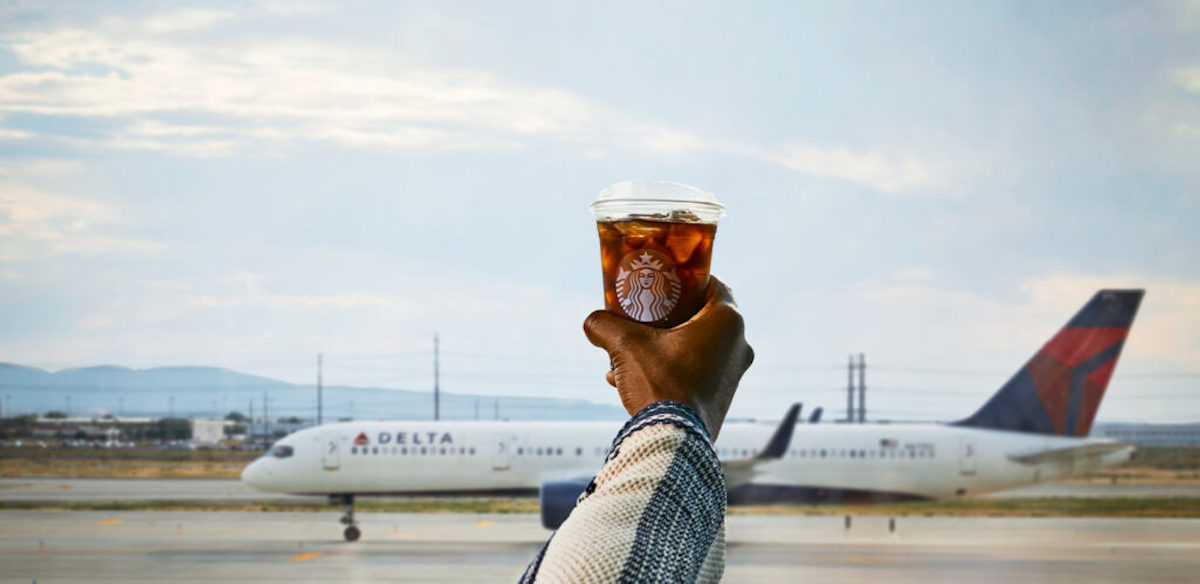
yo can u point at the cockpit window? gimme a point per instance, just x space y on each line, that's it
281 451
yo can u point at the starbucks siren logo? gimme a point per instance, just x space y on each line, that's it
647 286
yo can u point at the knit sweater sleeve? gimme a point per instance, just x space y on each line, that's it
654 513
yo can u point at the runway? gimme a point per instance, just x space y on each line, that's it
58 546
99 490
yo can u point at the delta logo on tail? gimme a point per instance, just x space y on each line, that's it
1059 390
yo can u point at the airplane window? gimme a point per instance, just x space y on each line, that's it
395 450
422 450
578 452
442 451
558 452
520 451
403 450
852 454
539 451
353 450
281 451
472 451
822 453
375 450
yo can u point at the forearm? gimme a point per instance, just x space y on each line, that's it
654 512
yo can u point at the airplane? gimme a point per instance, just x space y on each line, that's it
1033 429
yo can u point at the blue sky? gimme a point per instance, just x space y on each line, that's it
937 185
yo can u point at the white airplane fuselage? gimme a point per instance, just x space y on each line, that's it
903 460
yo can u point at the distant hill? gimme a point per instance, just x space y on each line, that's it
214 392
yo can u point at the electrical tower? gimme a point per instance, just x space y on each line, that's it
437 397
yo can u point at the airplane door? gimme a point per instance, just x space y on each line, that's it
967 453
502 450
331 452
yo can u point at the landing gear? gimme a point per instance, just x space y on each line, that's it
347 502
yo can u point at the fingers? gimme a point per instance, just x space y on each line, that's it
720 291
607 330
718 308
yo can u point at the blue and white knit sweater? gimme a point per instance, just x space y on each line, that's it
654 513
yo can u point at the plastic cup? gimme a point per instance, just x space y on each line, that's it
656 241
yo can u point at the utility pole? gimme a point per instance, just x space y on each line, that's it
319 384
437 397
862 389
266 417
850 391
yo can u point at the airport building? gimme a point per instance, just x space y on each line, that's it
1149 434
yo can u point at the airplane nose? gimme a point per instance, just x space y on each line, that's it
251 474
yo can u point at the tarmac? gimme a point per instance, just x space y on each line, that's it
196 546
95 546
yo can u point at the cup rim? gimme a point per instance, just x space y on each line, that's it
664 196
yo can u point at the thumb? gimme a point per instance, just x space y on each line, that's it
607 330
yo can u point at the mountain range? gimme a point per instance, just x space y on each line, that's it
188 391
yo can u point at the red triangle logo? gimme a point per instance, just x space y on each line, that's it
361 440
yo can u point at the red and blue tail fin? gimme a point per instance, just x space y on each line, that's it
1059 390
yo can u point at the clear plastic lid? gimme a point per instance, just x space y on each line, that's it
656 199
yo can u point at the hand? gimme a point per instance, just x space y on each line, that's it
699 362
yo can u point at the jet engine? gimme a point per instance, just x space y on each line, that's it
558 498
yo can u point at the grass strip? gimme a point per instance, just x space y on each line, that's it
389 506
1182 507
1115 507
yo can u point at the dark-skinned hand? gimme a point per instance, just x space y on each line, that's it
699 362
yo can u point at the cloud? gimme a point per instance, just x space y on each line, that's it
185 95
1188 78
1167 329
886 171
186 20
36 223
1166 333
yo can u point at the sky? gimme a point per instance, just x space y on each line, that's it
936 185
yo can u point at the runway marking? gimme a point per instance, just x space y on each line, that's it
110 522
304 557
485 524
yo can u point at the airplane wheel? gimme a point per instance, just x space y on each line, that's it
352 533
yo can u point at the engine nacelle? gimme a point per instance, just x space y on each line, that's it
557 499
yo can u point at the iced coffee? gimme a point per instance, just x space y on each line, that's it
656 243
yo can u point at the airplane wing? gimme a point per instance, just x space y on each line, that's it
739 472
1070 453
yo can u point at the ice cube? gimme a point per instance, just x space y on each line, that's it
682 241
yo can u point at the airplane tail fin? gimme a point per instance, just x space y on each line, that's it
1059 390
